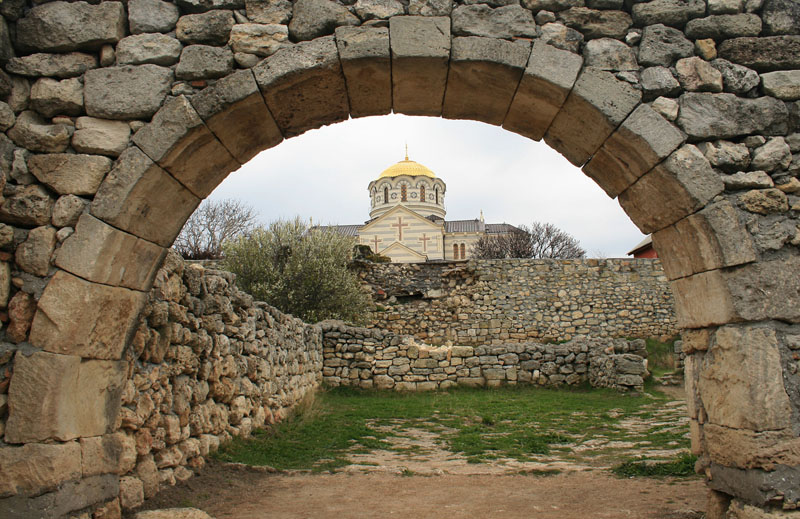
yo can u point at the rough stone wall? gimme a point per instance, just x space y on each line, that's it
370 358
505 301
206 363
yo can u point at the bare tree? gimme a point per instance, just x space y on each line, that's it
540 240
211 225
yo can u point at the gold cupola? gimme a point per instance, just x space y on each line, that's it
410 184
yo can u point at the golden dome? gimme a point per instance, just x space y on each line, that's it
407 167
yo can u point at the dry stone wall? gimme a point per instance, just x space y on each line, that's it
370 358
482 302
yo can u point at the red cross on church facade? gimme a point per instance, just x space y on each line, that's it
424 239
376 241
399 225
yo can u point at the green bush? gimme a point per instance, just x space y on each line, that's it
299 271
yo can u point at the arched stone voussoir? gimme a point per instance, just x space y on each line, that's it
179 141
679 186
107 317
103 254
753 292
596 106
62 397
643 140
366 63
303 86
139 197
545 85
709 239
420 53
482 78
235 111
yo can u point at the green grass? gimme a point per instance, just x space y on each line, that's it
661 356
520 422
681 467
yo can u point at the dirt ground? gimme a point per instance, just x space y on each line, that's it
420 479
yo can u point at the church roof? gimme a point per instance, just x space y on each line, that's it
347 230
463 226
407 167
499 228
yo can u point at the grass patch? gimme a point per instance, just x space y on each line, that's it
661 356
681 467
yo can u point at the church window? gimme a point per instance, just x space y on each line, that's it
437 195
463 251
385 195
422 193
403 193
455 251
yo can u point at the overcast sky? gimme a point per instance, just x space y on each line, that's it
323 174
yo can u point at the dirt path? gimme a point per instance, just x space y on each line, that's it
417 478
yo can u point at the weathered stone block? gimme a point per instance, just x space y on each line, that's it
33 255
100 136
108 315
64 26
126 92
670 12
697 75
365 56
37 467
736 78
663 45
33 133
131 492
204 62
420 53
609 54
68 173
763 54
179 142
52 65
103 254
597 104
784 84
378 9
210 28
67 210
749 449
659 81
62 397
483 77
30 206
709 239
594 23
314 18
781 17
724 26
151 16
545 84
510 21
303 86
269 11
259 39
719 116
235 111
108 454
158 49
643 140
560 36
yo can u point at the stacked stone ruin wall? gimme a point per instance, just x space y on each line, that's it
482 302
369 358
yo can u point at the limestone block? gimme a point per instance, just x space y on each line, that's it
151 16
209 28
510 21
594 23
774 154
378 9
36 467
670 12
179 142
707 116
62 397
33 133
103 254
749 449
259 39
678 186
314 18
659 81
158 49
763 54
269 11
483 77
764 201
724 26
784 84
609 54
365 56
204 62
108 454
597 104
30 206
67 209
108 315
303 86
68 173
420 53
754 398
126 92
709 239
641 142
747 180
100 136
663 45
67 65
52 97
725 155
65 26
235 111
697 75
752 292
33 255
545 84
131 492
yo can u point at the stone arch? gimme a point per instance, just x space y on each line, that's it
728 241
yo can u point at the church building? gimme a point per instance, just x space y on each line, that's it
407 218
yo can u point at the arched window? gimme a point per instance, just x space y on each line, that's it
436 191
385 195
455 251
422 193
403 193
463 251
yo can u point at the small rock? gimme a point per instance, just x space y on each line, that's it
68 173
430 7
609 54
551 5
64 233
791 187
204 62
269 11
663 45
52 65
126 92
100 136
159 49
561 37
7 117
378 9
32 132
633 37
775 154
658 81
736 78
50 97
764 54
67 26
724 26
765 201
33 255
726 155
67 210
543 17
783 84
19 168
725 6
696 75
211 28
503 22
258 39
245 60
706 49
314 18
151 16
748 180
667 107
21 309
107 56
674 13
781 17
597 24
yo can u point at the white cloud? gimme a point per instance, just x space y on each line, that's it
324 174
